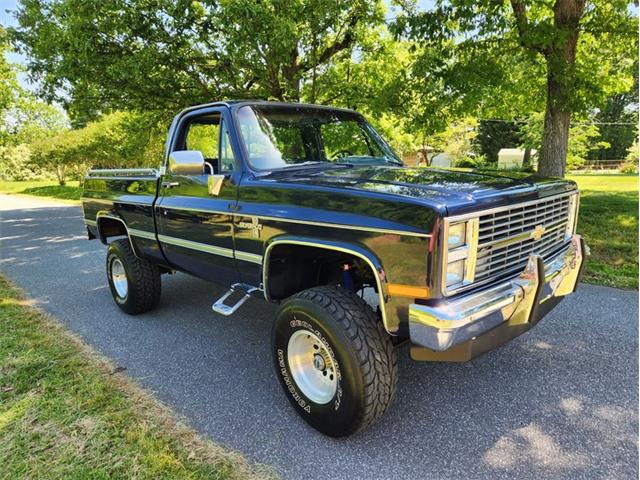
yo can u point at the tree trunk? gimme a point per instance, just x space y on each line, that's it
62 177
561 58
526 159
555 137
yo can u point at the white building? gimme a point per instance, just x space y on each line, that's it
442 160
512 158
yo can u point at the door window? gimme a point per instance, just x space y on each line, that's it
209 134
202 133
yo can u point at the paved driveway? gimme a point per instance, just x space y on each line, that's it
558 402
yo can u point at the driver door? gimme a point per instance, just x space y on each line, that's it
194 211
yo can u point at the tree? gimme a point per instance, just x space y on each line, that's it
122 140
492 136
61 154
31 119
583 138
457 140
15 163
371 78
23 117
116 140
396 131
8 77
8 87
619 124
509 59
27 121
163 54
23 120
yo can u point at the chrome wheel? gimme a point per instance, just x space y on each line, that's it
312 366
119 278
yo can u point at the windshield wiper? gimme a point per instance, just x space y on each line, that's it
314 163
393 161
308 162
343 164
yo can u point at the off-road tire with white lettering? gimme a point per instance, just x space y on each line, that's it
360 347
143 278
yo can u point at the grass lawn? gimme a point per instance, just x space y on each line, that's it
609 223
66 413
43 188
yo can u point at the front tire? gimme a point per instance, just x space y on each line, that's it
334 360
134 282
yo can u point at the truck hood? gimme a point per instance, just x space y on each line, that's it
455 191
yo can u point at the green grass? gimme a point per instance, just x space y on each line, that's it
43 188
65 413
609 223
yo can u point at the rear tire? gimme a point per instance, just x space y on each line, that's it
334 359
134 282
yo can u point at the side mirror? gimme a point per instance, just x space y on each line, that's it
186 162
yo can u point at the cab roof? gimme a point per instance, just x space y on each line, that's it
237 103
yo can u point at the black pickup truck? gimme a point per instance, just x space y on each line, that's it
309 207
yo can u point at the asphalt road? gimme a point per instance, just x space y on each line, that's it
558 402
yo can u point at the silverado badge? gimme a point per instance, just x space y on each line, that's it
537 232
254 226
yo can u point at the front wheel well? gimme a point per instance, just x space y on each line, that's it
292 268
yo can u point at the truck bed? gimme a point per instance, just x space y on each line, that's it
125 194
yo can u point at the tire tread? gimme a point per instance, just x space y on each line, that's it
145 286
373 347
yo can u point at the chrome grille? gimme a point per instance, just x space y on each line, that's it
505 241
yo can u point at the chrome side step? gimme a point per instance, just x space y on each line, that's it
223 309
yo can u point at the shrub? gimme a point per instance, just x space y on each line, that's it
629 167
15 163
467 162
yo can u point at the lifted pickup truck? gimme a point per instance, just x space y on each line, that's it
309 207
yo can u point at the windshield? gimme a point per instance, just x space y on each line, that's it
285 136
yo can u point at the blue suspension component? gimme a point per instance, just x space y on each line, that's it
347 279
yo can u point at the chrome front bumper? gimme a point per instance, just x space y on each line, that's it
462 328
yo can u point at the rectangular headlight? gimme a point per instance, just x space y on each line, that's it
572 220
456 235
461 246
455 272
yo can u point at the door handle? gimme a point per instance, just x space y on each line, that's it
170 184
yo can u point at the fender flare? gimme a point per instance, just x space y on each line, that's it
346 247
111 216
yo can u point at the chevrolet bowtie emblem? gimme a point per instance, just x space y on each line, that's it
537 232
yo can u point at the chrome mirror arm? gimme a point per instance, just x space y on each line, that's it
211 170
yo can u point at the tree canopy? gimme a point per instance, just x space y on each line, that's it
8 79
505 59
618 118
166 54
